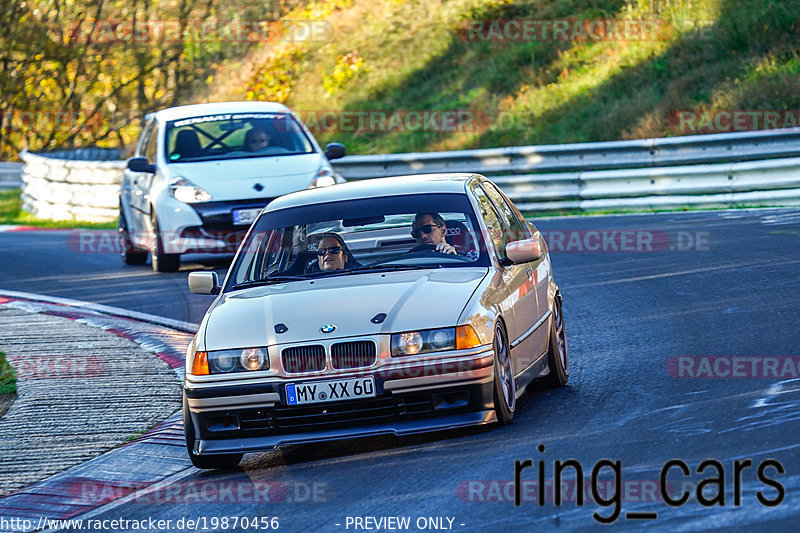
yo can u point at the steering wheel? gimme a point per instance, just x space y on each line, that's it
422 248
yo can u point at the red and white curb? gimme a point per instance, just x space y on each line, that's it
167 338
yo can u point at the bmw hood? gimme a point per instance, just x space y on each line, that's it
235 179
417 299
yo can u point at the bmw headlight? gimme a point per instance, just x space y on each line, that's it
187 192
434 340
426 341
238 360
409 343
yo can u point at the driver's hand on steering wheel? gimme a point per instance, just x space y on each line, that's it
445 248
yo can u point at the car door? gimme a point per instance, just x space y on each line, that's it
140 182
506 290
531 304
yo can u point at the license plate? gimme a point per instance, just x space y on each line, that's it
330 391
245 216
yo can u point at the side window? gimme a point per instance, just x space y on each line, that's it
492 219
150 143
524 223
518 230
146 127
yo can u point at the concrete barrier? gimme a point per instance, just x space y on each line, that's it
72 184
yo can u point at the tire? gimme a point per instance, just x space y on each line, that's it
505 388
206 462
128 253
162 262
557 359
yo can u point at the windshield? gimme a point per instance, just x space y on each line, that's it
360 236
235 136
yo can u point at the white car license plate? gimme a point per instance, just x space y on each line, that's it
245 216
330 391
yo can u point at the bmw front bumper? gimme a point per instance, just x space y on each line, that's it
416 397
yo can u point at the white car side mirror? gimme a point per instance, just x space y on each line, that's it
523 251
204 282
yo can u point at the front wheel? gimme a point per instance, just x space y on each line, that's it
129 254
161 261
206 462
505 388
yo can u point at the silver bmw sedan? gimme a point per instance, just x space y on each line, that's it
386 306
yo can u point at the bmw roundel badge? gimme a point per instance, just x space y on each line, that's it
327 328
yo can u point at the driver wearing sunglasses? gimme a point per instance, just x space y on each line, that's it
331 255
430 229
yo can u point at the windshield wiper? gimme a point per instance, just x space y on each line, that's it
387 268
268 281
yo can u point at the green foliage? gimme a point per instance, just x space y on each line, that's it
347 68
275 80
67 80
85 72
8 376
706 55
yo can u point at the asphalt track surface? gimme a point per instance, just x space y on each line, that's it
630 316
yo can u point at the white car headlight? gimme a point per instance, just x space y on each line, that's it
226 361
324 178
187 192
408 343
434 340
253 359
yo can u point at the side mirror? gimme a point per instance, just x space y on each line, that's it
335 151
141 164
204 282
523 251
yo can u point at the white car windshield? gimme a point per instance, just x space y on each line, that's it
235 136
360 236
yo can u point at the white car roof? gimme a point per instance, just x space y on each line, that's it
375 187
198 110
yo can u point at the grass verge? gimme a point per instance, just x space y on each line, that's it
11 213
8 376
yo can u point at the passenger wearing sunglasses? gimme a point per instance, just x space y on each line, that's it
330 254
430 229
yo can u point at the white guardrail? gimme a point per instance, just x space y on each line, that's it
10 175
719 170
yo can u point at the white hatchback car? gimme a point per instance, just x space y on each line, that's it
202 173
